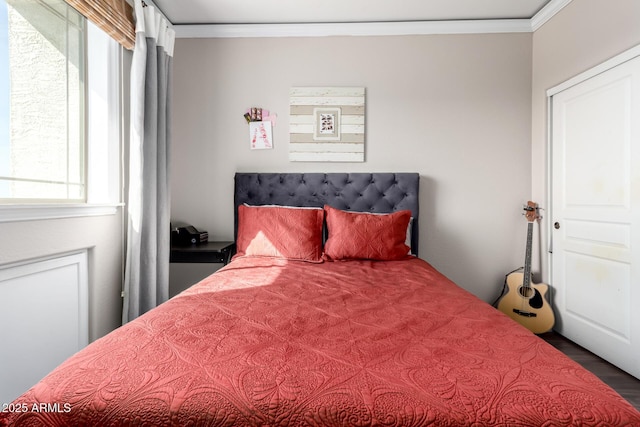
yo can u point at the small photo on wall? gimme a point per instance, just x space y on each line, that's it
327 124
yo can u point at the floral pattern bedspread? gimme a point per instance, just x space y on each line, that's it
269 342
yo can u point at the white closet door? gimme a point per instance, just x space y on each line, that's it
595 185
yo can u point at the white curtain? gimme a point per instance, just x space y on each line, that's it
147 264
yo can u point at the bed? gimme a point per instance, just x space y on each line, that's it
323 318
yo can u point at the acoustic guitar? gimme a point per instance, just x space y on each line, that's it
524 302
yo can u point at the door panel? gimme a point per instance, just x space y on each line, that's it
596 147
595 198
597 293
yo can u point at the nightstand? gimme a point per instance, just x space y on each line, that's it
211 252
190 264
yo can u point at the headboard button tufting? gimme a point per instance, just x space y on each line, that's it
364 192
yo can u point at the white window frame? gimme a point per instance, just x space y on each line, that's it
103 161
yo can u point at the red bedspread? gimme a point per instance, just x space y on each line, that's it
266 342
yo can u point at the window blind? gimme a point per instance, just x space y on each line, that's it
114 17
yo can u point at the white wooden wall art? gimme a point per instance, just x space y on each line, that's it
326 124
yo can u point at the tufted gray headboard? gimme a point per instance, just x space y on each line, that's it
361 192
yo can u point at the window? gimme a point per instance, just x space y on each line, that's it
90 182
42 102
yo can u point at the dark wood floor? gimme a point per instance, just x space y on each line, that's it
626 385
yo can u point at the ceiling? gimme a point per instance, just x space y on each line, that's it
336 11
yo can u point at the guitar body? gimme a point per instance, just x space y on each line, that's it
527 305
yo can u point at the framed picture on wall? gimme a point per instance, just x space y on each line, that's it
326 124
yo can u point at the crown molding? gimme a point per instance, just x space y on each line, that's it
187 31
547 12
353 29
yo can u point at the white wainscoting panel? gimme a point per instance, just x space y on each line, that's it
44 319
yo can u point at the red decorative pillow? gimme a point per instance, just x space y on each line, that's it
278 231
357 235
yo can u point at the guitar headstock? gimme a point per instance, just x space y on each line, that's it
531 211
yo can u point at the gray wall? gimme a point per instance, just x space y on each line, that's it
582 35
467 112
455 108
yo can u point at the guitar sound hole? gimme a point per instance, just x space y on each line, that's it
526 292
532 294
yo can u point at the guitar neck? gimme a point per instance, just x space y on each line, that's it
527 257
